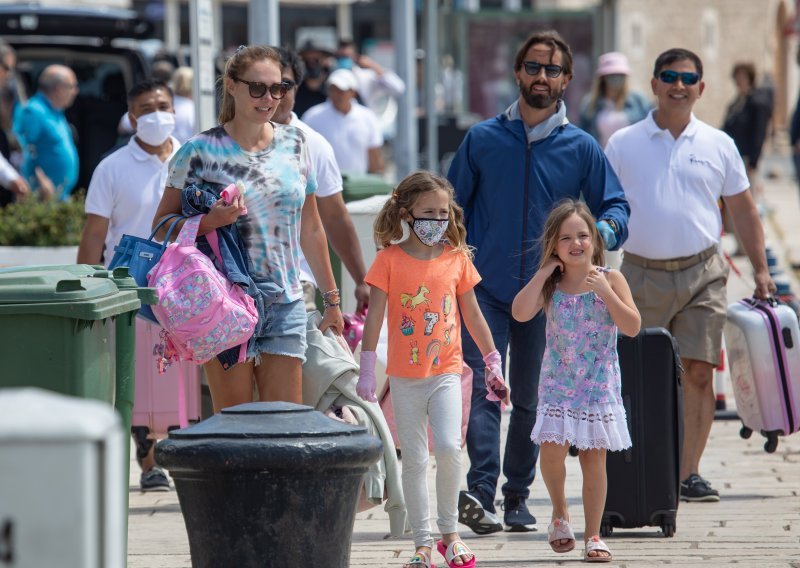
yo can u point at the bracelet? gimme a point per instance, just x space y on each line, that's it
331 304
328 297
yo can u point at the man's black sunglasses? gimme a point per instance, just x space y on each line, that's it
258 90
533 68
687 78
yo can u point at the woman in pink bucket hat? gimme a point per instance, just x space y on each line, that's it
611 105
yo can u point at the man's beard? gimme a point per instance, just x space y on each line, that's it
540 100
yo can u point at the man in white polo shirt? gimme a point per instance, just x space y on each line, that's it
674 168
123 195
351 128
332 209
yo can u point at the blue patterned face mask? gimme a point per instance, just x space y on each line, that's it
429 231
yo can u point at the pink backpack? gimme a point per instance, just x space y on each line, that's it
201 311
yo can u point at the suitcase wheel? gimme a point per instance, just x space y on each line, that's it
771 444
668 528
606 529
745 432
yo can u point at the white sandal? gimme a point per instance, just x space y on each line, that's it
594 544
420 559
560 529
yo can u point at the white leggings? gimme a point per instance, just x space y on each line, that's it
437 398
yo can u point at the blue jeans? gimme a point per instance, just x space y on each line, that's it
526 342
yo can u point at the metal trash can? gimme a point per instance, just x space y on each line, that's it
269 484
60 503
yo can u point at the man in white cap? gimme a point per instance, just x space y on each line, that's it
351 128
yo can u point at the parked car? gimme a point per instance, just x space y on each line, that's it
105 49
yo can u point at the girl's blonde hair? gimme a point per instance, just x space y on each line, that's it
182 81
235 67
389 222
552 228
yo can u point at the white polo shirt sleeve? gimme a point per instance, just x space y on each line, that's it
323 160
100 195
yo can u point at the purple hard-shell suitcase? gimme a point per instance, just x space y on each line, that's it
763 342
156 398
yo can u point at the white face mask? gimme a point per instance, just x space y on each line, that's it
155 128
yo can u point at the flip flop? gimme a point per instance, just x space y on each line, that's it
560 529
456 548
420 559
594 544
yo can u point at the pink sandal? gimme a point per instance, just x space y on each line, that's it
456 548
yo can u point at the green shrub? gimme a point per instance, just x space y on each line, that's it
36 223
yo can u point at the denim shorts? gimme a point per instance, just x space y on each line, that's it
283 332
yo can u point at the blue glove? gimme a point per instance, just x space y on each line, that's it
608 234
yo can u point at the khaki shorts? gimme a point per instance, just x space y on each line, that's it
686 296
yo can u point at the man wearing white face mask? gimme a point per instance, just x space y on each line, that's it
126 186
123 195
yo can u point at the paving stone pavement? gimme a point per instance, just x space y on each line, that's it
756 523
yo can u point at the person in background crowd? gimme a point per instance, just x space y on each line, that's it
674 169
332 209
125 190
375 83
184 105
46 136
351 128
311 91
12 183
508 173
747 118
612 104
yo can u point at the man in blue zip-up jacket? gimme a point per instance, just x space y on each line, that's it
508 173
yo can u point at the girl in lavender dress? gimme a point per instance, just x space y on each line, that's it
579 390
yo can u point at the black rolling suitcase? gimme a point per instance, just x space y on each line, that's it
644 481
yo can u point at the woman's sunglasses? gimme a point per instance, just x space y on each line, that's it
533 68
257 90
687 78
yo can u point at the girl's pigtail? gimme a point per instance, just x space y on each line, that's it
388 225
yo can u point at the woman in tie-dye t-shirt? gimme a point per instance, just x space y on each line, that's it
272 162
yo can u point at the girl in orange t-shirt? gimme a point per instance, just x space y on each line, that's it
427 282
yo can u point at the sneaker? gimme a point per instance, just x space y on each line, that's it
517 517
154 480
476 510
695 488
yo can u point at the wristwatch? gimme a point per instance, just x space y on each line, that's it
612 224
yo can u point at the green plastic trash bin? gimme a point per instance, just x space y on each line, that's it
355 188
57 328
70 329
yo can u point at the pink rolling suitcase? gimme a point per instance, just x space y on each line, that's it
157 402
763 341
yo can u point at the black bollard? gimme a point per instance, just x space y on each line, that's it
269 484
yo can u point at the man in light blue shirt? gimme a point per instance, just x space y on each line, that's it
45 134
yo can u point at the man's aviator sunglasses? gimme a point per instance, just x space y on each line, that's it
533 68
258 90
687 78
